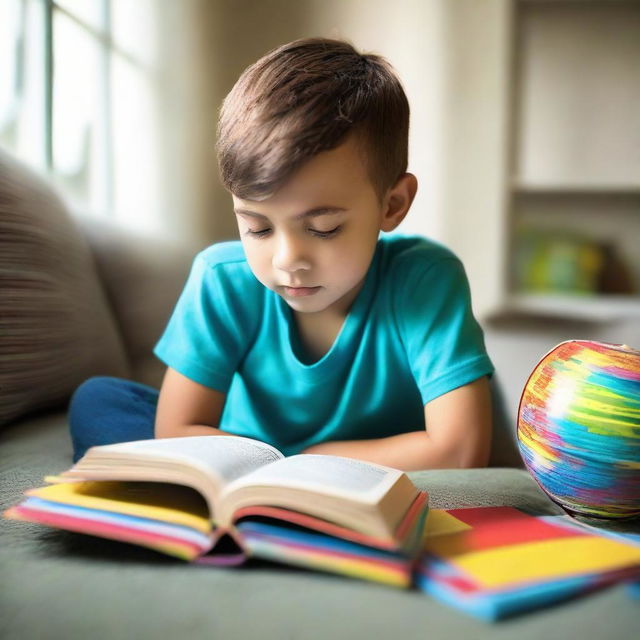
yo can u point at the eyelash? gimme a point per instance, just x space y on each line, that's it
324 235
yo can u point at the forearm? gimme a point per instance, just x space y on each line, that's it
183 430
407 451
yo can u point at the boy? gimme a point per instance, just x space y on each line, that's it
312 333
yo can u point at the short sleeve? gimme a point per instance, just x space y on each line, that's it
443 341
210 327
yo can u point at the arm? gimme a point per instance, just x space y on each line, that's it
458 435
186 408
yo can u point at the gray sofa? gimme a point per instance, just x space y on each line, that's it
83 299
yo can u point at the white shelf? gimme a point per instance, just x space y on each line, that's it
600 308
586 189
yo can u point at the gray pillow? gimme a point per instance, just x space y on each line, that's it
56 328
142 277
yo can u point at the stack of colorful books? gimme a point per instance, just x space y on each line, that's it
224 501
493 562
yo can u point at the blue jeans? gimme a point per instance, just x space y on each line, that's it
107 410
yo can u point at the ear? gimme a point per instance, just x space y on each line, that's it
398 201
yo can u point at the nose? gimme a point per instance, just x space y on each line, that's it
290 254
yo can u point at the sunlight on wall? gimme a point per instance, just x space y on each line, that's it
79 160
22 90
98 137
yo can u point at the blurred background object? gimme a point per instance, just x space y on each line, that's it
568 262
560 262
525 133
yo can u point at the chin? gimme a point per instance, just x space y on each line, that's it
311 304
306 307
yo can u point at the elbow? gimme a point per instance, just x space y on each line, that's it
471 464
475 455
473 459
183 430
458 456
161 432
167 430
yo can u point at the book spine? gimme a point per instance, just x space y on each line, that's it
228 549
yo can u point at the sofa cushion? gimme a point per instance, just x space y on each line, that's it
142 277
56 328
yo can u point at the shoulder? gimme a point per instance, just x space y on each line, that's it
422 280
223 254
215 319
225 263
222 280
414 257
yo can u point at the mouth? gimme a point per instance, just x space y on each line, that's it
296 292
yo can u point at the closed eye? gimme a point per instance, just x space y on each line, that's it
258 234
325 234
262 233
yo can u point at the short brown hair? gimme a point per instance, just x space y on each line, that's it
305 97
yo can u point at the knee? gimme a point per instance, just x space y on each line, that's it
86 409
99 381
92 389
105 410
93 397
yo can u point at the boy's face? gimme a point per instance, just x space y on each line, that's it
312 242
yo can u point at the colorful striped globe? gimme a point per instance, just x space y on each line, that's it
579 428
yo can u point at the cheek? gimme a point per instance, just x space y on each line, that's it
258 260
351 261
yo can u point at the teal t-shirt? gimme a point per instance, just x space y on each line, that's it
409 337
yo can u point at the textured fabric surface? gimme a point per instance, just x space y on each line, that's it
56 584
56 328
142 278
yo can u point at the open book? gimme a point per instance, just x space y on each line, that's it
220 500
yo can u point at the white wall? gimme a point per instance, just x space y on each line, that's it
408 33
474 154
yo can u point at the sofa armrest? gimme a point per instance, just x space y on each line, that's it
142 277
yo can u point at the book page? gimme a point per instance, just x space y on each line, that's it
223 458
332 475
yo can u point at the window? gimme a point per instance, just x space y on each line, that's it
79 100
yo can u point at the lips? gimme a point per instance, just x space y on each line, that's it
296 292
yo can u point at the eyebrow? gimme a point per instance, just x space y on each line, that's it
311 213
